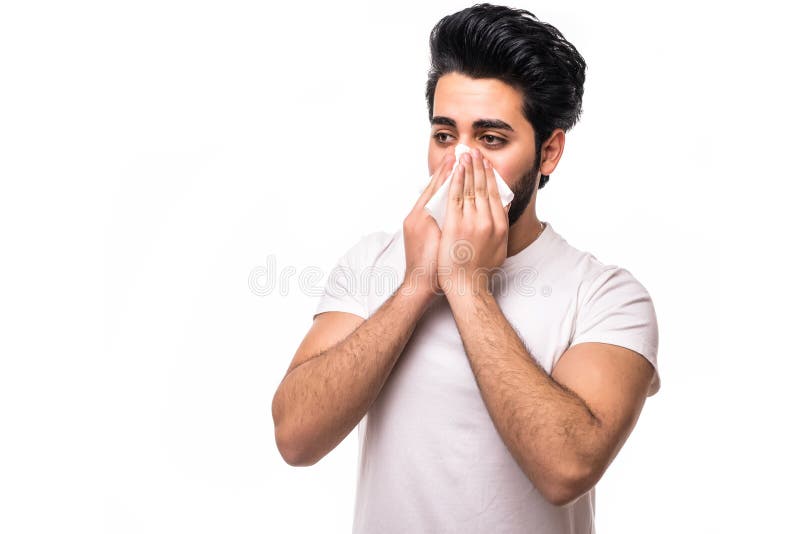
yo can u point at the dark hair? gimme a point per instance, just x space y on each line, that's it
512 45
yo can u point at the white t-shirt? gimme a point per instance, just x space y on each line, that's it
430 458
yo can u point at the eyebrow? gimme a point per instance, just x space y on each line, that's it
496 124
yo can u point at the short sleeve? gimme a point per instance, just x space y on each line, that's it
344 288
616 308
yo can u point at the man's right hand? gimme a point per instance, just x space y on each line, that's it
421 236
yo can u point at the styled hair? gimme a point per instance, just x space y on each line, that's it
512 45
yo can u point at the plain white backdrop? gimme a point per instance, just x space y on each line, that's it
155 155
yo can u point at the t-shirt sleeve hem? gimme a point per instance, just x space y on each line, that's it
646 351
324 306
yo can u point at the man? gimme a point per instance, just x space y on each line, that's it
501 373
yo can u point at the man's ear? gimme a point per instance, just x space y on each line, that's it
551 151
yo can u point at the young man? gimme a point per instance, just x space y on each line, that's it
497 404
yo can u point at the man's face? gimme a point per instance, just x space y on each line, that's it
502 133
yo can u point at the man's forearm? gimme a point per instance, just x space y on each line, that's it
549 430
321 400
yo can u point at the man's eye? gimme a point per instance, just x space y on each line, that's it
498 141
438 136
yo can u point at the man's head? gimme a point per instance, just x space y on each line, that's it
503 65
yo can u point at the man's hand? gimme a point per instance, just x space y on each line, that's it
421 237
475 235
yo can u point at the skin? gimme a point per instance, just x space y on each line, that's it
563 429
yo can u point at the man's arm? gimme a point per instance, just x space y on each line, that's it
563 431
321 399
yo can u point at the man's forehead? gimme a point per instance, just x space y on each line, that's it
466 99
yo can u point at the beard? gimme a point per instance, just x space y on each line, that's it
523 191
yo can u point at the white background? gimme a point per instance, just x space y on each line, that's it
153 154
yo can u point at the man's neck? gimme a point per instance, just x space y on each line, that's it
525 231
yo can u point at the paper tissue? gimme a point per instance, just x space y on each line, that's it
437 205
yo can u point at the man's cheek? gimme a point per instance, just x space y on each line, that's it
509 174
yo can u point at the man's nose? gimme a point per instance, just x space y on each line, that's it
471 147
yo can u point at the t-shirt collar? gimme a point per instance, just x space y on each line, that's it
534 252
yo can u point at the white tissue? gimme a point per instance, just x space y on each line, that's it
437 205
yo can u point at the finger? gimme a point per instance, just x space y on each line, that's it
447 170
481 193
469 181
455 195
437 179
495 204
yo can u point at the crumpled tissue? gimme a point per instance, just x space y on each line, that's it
437 205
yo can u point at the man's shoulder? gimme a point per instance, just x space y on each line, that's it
369 249
586 269
577 264
377 241
595 277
